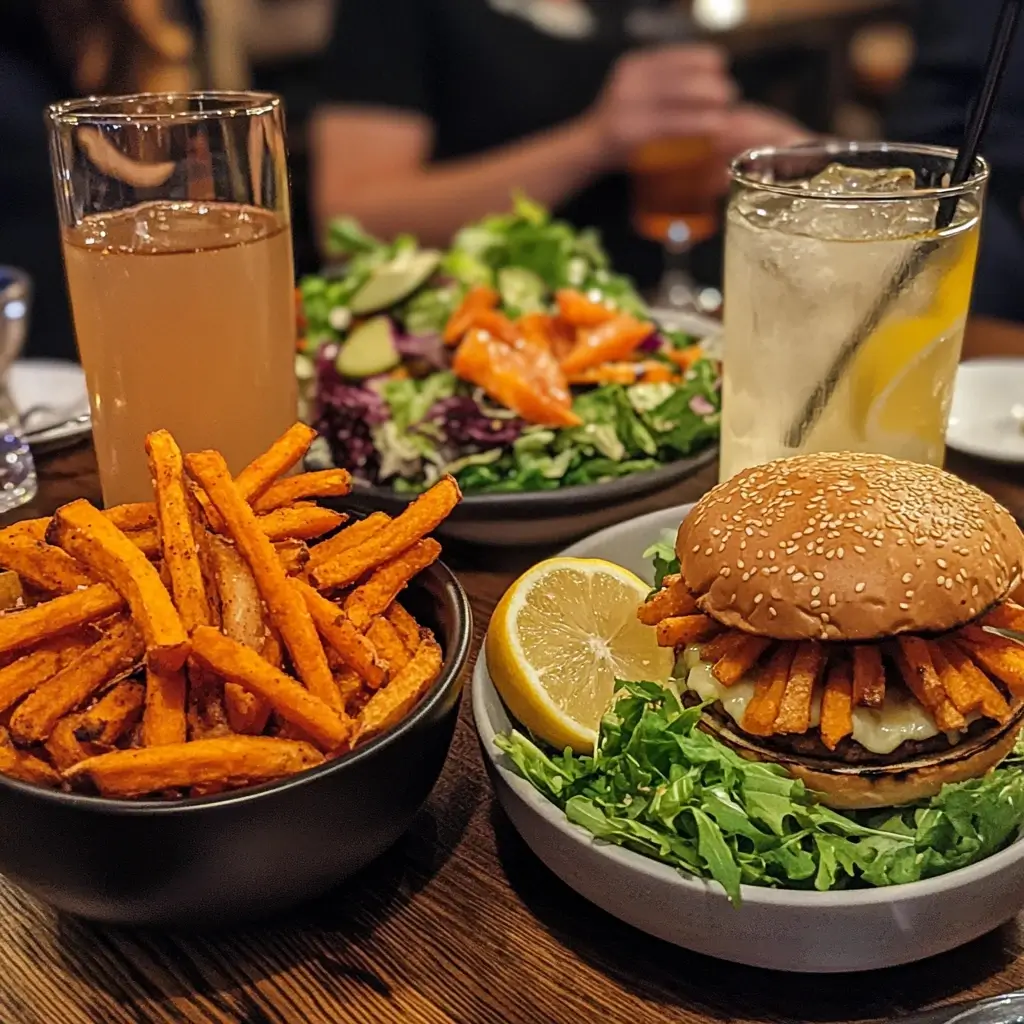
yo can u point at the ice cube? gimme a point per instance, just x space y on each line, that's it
840 180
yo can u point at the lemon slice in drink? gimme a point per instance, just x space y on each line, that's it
901 381
558 640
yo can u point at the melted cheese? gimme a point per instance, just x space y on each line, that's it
880 730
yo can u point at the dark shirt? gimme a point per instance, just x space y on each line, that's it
486 74
952 38
29 236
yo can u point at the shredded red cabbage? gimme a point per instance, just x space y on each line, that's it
428 349
466 425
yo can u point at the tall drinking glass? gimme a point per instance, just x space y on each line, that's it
844 305
177 249
18 484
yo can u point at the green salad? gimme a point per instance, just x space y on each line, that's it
660 785
393 403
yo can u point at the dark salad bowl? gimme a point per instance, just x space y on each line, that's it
542 517
220 859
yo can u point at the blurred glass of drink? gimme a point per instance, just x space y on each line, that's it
676 180
177 248
18 483
815 236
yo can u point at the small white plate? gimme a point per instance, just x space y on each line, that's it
987 417
60 386
781 929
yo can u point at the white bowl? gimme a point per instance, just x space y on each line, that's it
819 932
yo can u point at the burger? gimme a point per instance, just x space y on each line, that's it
847 616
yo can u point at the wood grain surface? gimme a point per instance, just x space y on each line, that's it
459 923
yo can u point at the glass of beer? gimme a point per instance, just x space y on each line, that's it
177 248
677 183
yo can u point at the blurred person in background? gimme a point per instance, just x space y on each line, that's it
435 110
952 38
51 50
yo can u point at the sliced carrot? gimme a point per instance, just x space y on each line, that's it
612 340
656 373
684 358
477 298
576 309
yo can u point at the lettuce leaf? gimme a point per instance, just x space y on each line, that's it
663 787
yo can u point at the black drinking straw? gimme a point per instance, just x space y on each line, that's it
977 122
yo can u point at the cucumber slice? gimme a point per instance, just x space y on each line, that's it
368 350
395 280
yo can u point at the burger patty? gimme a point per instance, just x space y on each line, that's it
848 751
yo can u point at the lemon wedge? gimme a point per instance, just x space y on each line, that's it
558 640
902 379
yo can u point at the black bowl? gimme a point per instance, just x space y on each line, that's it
221 859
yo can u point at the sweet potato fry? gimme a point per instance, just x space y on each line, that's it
232 761
349 685
427 512
328 728
325 483
338 631
17 764
1008 615
732 666
388 644
42 565
673 599
28 627
965 697
405 625
299 522
138 515
284 453
34 719
12 594
285 607
868 676
837 704
392 703
993 703
680 630
720 644
293 556
164 718
347 539
33 669
31 528
181 557
1000 657
87 535
85 734
763 709
795 710
915 665
388 580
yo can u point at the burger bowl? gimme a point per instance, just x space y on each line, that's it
780 929
215 860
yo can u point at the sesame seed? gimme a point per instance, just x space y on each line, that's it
709 551
904 606
797 577
941 562
949 583
815 604
818 575
815 591
740 564
831 600
758 598
907 577
860 550
825 617
772 612
859 588
974 590
840 552
941 581
724 571
696 549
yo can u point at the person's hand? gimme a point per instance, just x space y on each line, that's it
748 126
656 94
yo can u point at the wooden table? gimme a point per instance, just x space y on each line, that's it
460 923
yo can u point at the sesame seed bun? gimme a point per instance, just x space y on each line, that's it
852 787
848 547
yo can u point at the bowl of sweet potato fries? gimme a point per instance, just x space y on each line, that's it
222 702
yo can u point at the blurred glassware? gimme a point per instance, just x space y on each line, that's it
17 469
1008 1009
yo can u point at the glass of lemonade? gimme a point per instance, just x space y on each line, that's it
177 249
845 305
